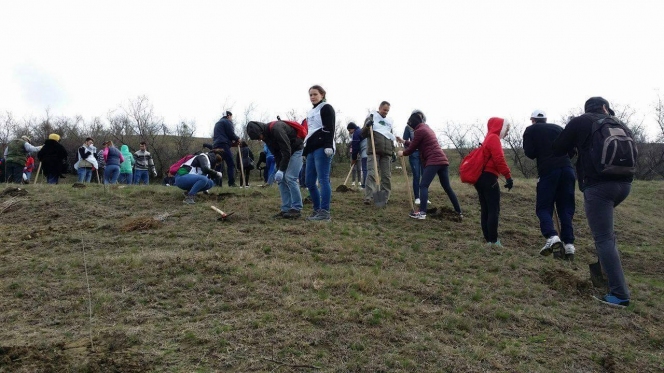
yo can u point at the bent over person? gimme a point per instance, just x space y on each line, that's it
283 142
191 176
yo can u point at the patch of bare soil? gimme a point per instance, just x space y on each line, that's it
140 224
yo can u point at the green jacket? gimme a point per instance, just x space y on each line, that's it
16 151
126 167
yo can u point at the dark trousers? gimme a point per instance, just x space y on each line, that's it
246 178
427 177
14 172
416 169
488 191
556 188
364 172
599 202
230 165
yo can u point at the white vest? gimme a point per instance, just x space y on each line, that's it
315 122
383 126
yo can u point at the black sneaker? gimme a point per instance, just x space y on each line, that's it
280 215
292 214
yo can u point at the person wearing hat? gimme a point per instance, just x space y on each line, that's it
286 147
555 185
53 157
357 151
15 155
434 160
224 137
601 195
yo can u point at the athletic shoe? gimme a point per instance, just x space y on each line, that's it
552 243
569 252
613 301
189 200
417 201
353 183
280 215
322 215
418 215
498 245
367 201
206 192
313 213
292 214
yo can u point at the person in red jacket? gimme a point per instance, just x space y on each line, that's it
433 159
29 168
487 186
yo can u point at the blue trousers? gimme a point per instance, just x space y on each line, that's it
289 190
443 176
319 166
125 178
416 169
269 169
141 176
227 157
111 173
599 201
556 188
84 174
193 183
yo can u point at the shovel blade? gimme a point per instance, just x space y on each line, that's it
380 198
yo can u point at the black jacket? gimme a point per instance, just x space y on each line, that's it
538 144
282 141
224 133
576 136
53 157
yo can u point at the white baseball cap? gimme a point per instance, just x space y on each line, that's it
538 114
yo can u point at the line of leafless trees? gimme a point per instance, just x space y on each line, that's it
136 121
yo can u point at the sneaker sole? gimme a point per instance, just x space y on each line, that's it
555 247
608 303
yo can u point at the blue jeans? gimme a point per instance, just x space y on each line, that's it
193 183
289 187
125 178
556 187
318 168
268 171
416 169
84 174
141 176
443 176
599 201
52 178
111 173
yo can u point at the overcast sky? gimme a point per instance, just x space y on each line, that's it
462 61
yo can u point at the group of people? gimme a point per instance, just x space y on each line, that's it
114 165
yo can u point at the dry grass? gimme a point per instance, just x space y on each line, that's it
371 291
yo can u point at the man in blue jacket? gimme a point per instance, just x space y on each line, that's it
224 138
555 184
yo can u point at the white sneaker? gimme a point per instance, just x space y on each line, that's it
353 183
428 202
569 251
417 201
552 243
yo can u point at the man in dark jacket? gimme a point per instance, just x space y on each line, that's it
286 147
555 185
53 157
15 155
601 194
224 138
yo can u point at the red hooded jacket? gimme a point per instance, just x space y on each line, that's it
496 164
430 152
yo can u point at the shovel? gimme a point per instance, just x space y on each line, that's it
405 174
379 196
344 188
239 151
38 171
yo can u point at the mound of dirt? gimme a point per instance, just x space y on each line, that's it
14 192
140 224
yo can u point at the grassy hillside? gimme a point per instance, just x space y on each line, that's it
371 291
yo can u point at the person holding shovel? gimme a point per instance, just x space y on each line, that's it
15 155
379 154
434 161
319 149
283 142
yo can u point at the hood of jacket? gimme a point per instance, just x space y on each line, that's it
498 126
124 149
255 129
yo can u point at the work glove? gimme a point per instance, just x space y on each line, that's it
218 175
369 121
154 173
278 176
329 152
509 184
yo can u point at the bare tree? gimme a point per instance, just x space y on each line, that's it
8 130
514 140
184 137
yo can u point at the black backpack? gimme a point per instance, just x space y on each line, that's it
612 148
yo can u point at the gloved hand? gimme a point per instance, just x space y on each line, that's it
509 184
154 173
218 175
329 152
369 121
278 176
